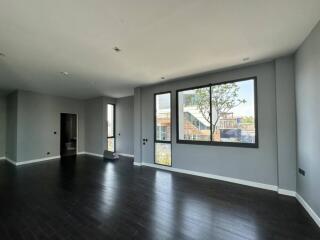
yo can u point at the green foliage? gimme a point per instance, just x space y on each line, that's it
224 98
249 119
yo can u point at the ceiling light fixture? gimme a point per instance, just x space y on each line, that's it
65 73
116 49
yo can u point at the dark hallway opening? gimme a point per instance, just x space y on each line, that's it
68 135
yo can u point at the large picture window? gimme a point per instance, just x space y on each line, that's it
162 127
219 114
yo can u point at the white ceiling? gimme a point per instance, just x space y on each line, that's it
158 38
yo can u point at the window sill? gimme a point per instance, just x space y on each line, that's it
222 144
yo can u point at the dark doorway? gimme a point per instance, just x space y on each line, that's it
68 135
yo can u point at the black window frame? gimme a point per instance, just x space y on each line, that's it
155 127
211 142
114 127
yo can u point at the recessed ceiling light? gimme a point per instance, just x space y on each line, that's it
246 59
65 73
117 49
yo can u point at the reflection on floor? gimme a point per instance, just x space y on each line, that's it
88 198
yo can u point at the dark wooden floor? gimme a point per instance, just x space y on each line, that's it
87 198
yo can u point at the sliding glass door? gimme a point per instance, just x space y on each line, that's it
111 127
162 128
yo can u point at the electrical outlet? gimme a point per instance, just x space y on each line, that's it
48 153
302 172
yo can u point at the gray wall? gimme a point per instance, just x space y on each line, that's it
124 125
258 165
32 119
38 118
12 121
137 125
307 61
286 122
94 125
3 120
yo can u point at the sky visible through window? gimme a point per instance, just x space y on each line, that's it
246 92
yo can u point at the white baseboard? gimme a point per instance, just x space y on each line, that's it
32 161
43 159
125 155
306 206
137 164
93 154
10 161
217 177
54 157
287 192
